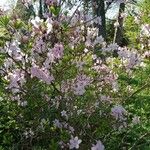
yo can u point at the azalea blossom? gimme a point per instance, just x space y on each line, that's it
49 25
81 82
98 146
22 103
136 120
99 40
145 30
39 46
118 112
64 114
57 123
50 2
74 142
41 74
36 22
16 78
58 51
98 20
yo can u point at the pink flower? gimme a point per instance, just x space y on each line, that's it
57 51
111 47
74 142
51 2
41 74
98 20
98 146
39 46
81 82
54 54
133 60
118 112
57 123
79 90
14 50
99 40
16 78
65 86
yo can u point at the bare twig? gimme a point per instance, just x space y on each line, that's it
148 133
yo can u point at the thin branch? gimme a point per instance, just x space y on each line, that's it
83 23
140 89
74 13
139 140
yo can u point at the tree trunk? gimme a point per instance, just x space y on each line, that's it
40 9
99 11
119 30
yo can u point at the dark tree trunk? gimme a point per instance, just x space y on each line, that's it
40 9
99 11
119 30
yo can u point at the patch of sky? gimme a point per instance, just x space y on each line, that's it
111 13
7 5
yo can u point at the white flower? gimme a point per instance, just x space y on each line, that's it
36 22
29 133
94 57
86 50
71 129
116 24
80 64
147 54
136 120
111 47
99 40
61 143
98 20
98 146
115 86
74 142
88 43
64 114
49 25
136 19
92 32
123 52
22 103
145 30
133 60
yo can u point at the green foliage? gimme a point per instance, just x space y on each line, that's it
55 10
132 32
4 36
133 26
4 20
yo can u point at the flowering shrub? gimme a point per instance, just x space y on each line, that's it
65 87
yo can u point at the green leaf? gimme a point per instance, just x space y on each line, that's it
4 20
18 24
55 10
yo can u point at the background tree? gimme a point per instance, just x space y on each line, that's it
99 11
